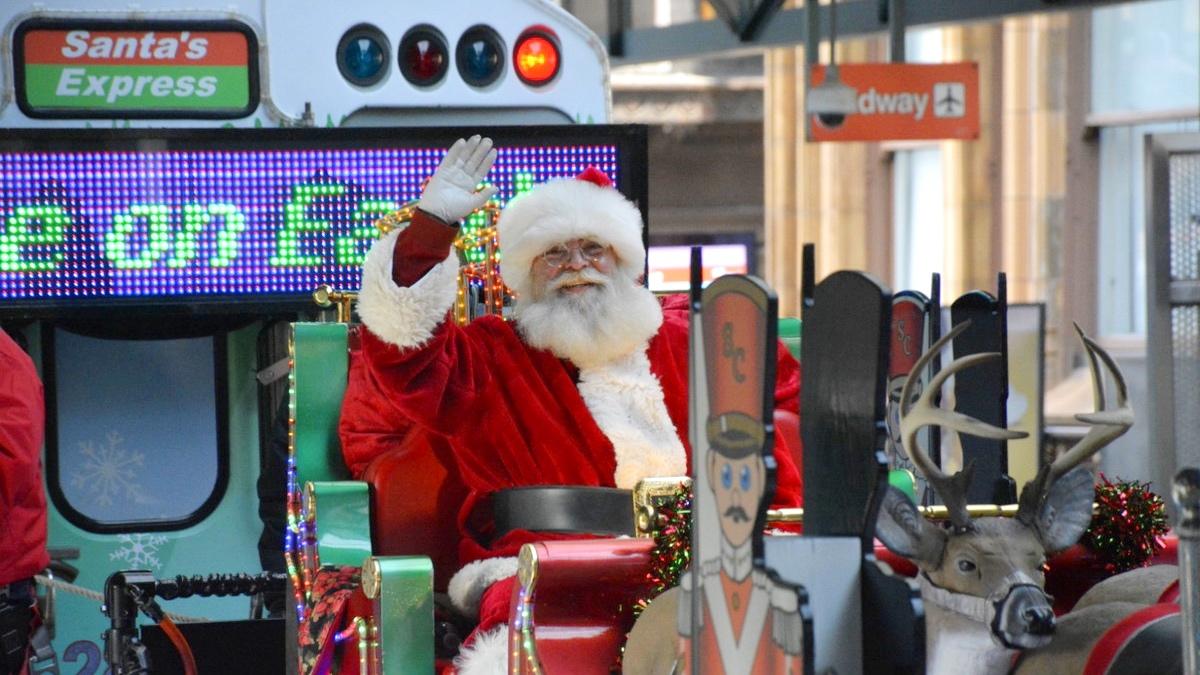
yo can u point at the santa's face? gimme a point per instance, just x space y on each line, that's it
738 486
583 307
572 268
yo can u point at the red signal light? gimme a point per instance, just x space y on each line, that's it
424 56
536 57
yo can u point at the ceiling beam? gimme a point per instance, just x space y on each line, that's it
855 18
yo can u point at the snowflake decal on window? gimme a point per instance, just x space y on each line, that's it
139 550
110 471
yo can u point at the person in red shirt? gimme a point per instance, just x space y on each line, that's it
586 386
22 501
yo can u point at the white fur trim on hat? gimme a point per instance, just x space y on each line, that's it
468 584
404 317
561 210
626 400
486 655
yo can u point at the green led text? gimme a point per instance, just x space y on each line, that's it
117 247
28 227
296 221
351 249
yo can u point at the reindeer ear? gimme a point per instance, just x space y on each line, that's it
1067 510
906 532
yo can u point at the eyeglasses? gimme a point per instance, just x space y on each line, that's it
562 254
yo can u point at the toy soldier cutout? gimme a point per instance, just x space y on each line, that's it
735 615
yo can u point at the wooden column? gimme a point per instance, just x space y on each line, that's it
827 194
783 141
971 171
1080 239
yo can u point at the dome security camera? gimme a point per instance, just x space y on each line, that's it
831 101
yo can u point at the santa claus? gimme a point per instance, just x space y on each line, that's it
586 386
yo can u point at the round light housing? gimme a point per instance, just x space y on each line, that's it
362 55
479 56
536 56
424 56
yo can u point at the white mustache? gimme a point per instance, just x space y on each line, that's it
586 274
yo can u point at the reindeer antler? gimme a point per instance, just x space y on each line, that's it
923 412
1107 426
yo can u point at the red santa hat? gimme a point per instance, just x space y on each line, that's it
563 209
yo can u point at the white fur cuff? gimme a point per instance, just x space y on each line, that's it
486 655
468 584
404 317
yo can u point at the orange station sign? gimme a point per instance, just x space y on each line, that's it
904 101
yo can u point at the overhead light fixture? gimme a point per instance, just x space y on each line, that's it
745 17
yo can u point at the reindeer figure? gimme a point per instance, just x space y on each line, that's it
982 578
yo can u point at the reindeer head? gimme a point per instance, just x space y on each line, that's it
990 569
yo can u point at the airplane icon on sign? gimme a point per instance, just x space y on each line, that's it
949 99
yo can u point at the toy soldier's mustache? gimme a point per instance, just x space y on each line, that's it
738 515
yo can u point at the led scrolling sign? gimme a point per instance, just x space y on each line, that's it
188 225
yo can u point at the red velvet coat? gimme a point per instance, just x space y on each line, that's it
510 415
22 499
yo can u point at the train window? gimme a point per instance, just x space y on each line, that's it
919 216
133 443
363 54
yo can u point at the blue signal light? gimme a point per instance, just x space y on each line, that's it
481 60
362 55
480 56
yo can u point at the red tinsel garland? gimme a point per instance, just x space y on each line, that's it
1128 526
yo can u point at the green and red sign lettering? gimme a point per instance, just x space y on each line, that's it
136 69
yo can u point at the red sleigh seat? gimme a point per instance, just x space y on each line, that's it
415 499
414 506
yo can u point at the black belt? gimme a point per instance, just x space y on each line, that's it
576 510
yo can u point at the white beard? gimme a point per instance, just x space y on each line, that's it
603 323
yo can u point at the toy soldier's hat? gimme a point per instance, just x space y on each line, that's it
738 319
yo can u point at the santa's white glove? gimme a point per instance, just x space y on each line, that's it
452 193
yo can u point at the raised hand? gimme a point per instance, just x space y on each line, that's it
452 193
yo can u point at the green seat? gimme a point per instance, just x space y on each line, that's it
904 481
789 334
337 510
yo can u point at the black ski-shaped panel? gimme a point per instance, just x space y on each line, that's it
844 361
982 392
935 366
893 619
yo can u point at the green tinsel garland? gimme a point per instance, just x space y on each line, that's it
1128 526
670 555
672 546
